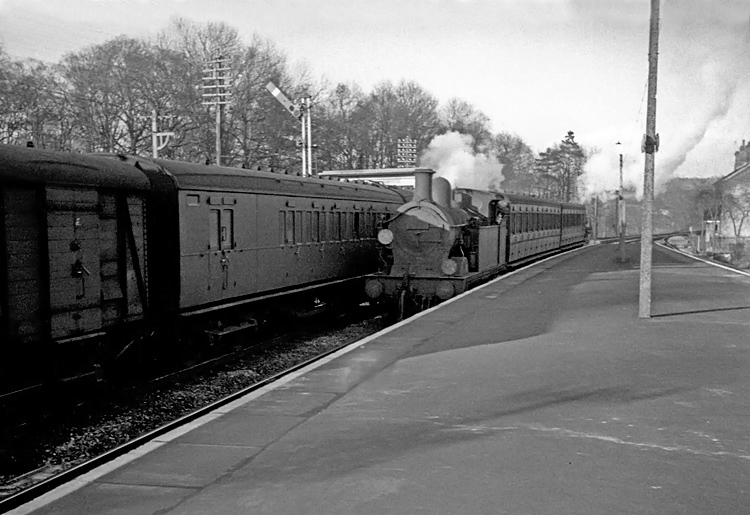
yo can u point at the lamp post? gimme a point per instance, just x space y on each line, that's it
621 218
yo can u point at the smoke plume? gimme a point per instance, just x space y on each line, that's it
452 156
703 87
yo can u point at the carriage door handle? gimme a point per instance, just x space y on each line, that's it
224 262
79 271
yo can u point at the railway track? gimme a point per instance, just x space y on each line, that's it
277 358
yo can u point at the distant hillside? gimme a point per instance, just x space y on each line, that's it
676 207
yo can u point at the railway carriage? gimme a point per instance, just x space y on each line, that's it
228 236
73 265
534 226
573 230
102 250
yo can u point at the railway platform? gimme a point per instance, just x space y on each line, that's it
541 392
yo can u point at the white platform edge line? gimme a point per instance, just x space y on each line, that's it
91 476
702 260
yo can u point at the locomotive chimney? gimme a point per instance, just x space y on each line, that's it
441 191
422 184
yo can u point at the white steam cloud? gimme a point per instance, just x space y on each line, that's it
702 99
452 156
685 121
719 81
602 169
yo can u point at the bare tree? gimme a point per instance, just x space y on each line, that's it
517 159
559 167
460 116
708 201
344 142
736 207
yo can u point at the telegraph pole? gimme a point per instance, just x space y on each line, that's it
621 215
596 218
215 93
307 102
650 146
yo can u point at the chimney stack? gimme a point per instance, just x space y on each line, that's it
423 184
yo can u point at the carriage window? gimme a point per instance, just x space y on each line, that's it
356 227
316 227
337 229
288 226
306 227
227 229
213 229
297 226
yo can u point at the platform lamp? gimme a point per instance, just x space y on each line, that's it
621 219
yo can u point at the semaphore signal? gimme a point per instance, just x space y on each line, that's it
301 112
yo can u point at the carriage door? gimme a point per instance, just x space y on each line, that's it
221 244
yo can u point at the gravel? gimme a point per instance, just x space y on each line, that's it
93 430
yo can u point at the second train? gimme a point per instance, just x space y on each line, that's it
444 241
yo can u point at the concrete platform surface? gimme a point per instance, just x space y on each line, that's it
540 393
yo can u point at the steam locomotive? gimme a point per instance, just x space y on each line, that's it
443 242
99 251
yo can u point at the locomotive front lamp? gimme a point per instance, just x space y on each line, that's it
449 267
385 236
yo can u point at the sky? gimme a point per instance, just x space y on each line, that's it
537 68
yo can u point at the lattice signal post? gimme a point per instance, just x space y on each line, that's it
406 153
215 93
